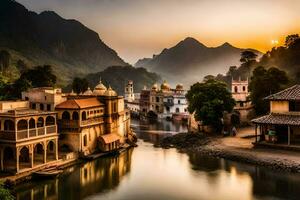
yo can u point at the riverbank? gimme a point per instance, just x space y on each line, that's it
235 149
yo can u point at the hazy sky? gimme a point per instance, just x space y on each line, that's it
141 28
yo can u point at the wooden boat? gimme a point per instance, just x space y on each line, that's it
48 173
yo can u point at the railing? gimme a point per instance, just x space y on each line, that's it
28 133
91 121
69 123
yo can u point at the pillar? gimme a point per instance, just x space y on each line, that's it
32 156
255 133
289 135
56 149
17 159
2 154
45 153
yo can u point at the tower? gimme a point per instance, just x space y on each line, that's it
129 95
239 89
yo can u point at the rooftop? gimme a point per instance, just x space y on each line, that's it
278 119
291 93
80 103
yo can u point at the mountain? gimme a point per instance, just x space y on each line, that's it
189 61
46 38
118 76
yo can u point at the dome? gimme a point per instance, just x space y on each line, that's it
179 87
154 87
110 92
88 91
99 89
165 86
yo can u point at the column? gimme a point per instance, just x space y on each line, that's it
27 128
255 133
32 156
56 149
17 159
45 152
2 154
289 135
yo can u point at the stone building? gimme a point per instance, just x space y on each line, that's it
94 120
28 137
44 98
240 93
132 100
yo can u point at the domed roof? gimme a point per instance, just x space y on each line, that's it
110 92
179 87
99 89
88 91
165 86
154 87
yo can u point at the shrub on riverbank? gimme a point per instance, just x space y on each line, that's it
5 193
184 140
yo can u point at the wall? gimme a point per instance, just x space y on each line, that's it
279 106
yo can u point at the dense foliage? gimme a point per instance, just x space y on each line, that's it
5 193
208 100
80 85
263 83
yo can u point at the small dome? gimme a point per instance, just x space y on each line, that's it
88 91
99 89
154 87
179 87
165 86
110 92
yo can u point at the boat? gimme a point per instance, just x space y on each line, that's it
48 173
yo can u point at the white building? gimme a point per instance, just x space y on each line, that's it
132 102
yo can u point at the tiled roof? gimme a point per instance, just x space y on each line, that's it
109 138
292 93
279 119
80 103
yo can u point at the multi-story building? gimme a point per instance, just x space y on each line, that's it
144 101
131 102
240 93
44 98
28 138
282 125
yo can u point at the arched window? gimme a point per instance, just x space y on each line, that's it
84 140
9 125
66 115
235 89
31 123
177 110
22 125
83 115
38 154
50 121
24 154
40 122
244 88
8 154
75 115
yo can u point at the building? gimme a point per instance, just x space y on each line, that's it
240 93
93 120
131 102
28 138
282 125
44 98
144 101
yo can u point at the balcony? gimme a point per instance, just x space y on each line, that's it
92 121
28 133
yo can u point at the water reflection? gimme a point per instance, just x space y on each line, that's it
153 173
78 182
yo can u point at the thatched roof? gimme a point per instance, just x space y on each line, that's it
291 93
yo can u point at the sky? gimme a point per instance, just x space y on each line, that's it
141 28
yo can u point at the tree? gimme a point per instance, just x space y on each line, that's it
209 100
80 85
21 65
291 39
4 60
248 56
264 83
208 77
40 76
5 193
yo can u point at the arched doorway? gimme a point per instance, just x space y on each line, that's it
40 122
22 125
75 115
51 151
83 115
50 121
24 159
9 125
66 115
38 154
31 123
9 160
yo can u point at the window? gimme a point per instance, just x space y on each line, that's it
157 99
41 106
235 89
26 98
177 110
33 106
178 101
241 104
244 88
294 106
45 98
115 107
48 107
84 140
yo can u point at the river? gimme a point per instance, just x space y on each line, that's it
150 173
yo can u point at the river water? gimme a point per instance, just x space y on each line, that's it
152 173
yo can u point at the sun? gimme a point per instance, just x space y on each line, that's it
274 42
